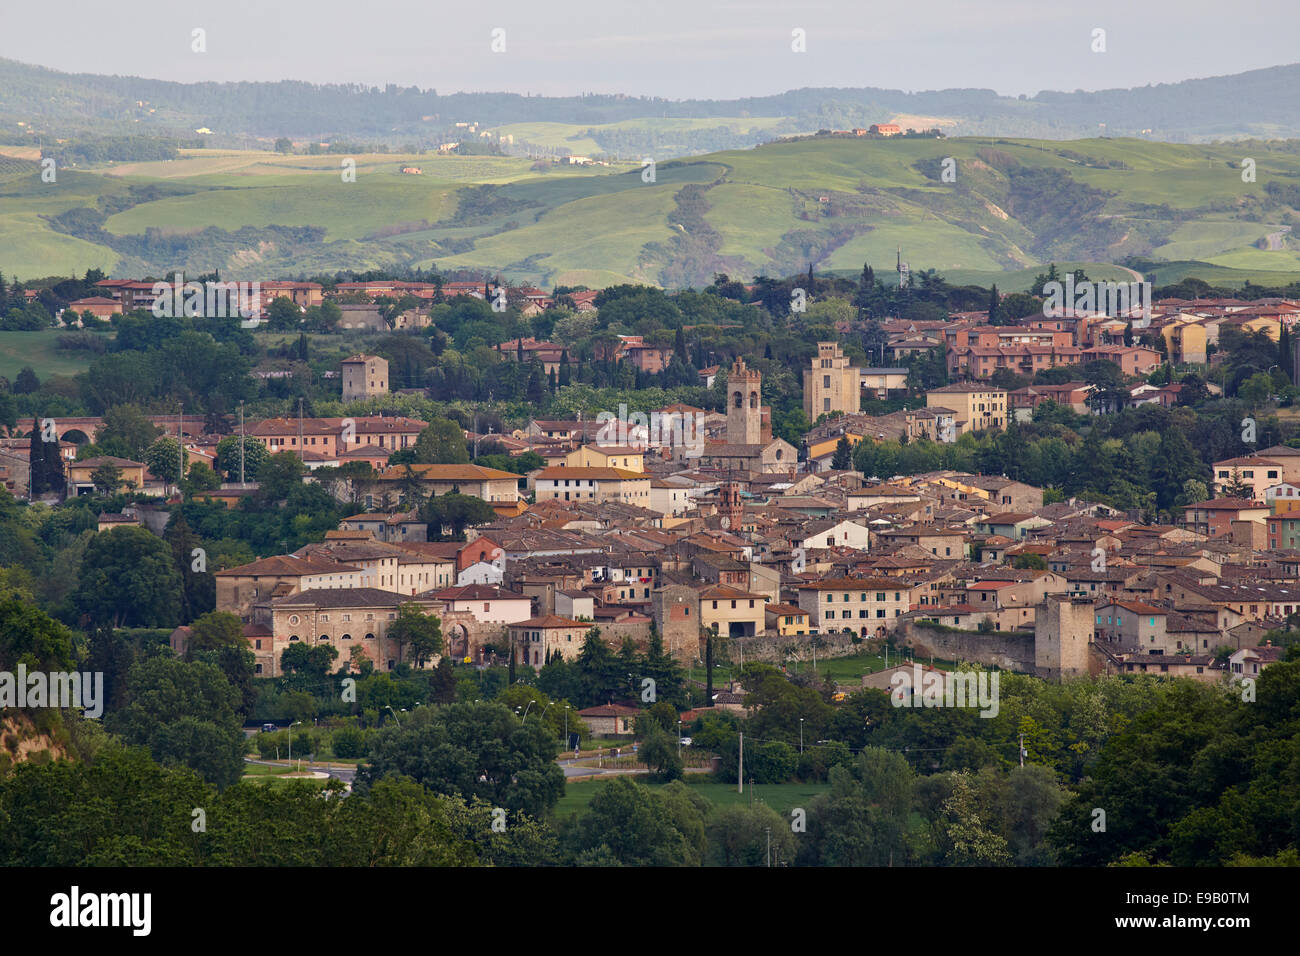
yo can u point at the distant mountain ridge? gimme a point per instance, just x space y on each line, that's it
1256 104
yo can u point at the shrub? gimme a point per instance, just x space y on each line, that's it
349 742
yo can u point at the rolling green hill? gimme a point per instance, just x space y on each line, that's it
1005 207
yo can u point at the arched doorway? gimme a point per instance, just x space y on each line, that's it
458 643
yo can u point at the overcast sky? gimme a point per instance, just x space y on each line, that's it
671 48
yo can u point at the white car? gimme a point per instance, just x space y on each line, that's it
684 741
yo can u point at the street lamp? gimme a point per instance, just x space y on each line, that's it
801 735
389 708
566 723
542 715
291 726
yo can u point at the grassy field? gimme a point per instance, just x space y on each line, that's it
836 203
276 776
781 797
37 350
842 670
577 139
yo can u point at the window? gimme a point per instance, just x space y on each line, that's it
346 637
880 612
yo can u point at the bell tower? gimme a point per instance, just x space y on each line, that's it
744 404
730 509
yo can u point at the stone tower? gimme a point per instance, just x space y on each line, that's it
744 404
730 509
364 376
1063 633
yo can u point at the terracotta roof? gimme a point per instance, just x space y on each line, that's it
288 564
550 620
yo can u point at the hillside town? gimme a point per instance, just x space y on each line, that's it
741 534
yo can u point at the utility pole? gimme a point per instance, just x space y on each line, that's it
769 846
180 449
241 444
301 455
740 775
1022 750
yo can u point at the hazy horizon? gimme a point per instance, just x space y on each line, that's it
723 50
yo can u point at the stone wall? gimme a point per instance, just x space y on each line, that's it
1007 650
775 649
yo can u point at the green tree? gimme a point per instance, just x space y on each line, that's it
659 752
282 315
128 579
107 478
748 836
26 382
163 460
842 460
30 637
200 477
964 838
126 433
471 750
120 809
279 475
863 819
186 714
198 587
213 631
628 824
455 512
229 457
1176 463
418 630
442 443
